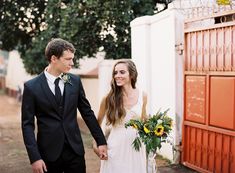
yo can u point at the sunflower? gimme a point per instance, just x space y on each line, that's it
152 131
146 130
159 130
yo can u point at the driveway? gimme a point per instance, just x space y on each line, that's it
13 156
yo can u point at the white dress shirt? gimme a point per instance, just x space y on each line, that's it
51 79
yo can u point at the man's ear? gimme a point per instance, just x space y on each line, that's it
53 58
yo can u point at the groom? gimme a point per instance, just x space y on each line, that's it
53 98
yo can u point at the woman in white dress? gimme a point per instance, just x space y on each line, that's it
123 102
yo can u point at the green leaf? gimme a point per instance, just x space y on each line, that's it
137 143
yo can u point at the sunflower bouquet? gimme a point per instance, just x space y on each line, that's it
152 132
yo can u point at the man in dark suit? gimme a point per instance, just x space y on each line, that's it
53 98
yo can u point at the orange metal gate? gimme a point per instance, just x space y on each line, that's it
209 98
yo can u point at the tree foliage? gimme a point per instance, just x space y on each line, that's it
91 25
19 22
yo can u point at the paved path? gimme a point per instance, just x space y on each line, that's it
13 156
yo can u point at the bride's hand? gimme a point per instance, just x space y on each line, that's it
103 154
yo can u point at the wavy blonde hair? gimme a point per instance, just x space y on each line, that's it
115 110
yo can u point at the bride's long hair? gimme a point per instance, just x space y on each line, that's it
115 110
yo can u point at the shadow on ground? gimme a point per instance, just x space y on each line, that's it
175 169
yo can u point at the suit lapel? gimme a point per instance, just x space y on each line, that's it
50 96
67 91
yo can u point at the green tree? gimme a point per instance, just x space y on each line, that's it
117 16
20 21
33 57
91 25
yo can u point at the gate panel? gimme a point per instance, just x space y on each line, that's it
211 151
195 98
199 51
218 152
232 155
213 42
192 145
225 154
198 148
205 147
228 48
206 48
209 105
233 47
188 49
193 57
222 102
219 49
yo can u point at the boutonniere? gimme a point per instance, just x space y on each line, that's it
66 78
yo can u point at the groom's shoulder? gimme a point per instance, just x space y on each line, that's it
33 81
74 77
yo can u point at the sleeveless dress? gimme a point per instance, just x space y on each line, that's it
122 157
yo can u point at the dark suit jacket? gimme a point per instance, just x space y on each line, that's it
53 125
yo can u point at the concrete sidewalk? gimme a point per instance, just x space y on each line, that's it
175 169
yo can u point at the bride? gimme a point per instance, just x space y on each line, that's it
123 102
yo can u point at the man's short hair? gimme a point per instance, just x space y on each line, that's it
56 47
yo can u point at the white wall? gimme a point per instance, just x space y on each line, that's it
160 66
141 50
91 88
105 77
16 74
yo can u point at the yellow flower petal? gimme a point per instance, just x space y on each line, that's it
159 130
146 130
223 2
135 126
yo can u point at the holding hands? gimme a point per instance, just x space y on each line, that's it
100 151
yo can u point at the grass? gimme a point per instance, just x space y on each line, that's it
163 159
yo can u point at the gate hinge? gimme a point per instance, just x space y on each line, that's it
179 48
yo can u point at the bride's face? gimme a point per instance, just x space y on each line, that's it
121 75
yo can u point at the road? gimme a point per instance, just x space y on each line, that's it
13 156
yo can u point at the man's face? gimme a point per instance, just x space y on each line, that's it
65 62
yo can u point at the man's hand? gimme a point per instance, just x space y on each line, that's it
95 148
39 166
103 152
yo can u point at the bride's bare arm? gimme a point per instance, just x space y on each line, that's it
144 112
100 118
101 112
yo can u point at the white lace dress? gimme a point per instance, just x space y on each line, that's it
122 157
